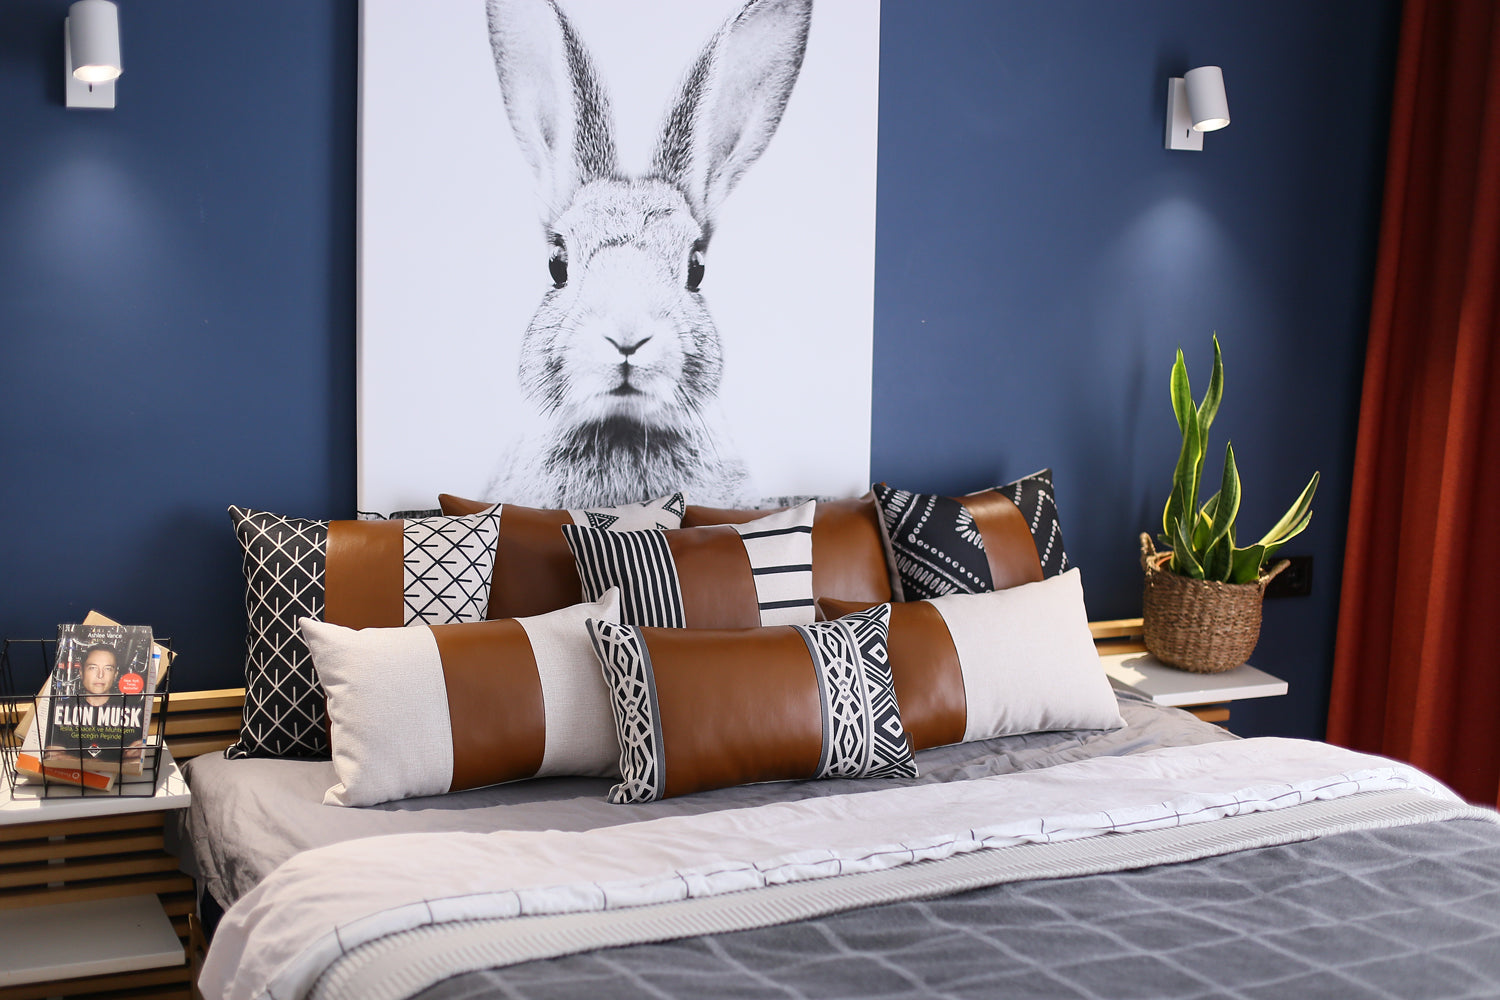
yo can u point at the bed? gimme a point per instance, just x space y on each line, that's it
1394 891
1134 851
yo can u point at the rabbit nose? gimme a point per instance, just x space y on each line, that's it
628 349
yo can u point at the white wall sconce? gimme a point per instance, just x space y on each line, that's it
1195 104
91 47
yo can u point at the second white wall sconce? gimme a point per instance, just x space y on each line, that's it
1196 103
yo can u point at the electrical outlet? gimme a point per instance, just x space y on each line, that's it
1295 580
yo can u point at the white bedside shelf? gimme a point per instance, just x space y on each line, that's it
27 804
1170 686
86 868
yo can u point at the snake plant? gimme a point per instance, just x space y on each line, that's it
1202 539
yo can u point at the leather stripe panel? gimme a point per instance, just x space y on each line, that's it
713 570
364 577
1008 545
735 706
534 568
494 701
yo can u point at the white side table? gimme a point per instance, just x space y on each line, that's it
1205 695
86 887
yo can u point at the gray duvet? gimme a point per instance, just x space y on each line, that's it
1396 914
248 816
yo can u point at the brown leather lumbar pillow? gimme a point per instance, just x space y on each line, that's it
972 666
849 560
710 708
534 571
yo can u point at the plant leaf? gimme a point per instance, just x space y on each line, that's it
1203 527
1184 481
1295 518
1182 394
1228 507
1218 561
1183 561
1247 563
1212 397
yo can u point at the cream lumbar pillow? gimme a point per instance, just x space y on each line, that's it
974 666
433 709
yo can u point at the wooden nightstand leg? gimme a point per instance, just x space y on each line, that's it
1211 713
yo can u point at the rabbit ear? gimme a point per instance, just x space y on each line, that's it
556 104
732 99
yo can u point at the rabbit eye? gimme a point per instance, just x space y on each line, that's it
695 267
557 262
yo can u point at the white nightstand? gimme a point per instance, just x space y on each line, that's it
1205 695
88 894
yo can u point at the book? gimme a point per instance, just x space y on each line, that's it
98 703
32 767
163 654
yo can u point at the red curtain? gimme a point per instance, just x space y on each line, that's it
1417 667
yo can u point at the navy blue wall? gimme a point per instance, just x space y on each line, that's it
177 286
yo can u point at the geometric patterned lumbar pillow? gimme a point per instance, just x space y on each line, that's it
427 571
697 709
975 666
534 571
972 544
433 709
715 576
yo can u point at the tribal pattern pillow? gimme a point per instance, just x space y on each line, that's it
697 709
719 576
427 571
973 544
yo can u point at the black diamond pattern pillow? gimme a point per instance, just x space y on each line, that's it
697 709
974 544
425 571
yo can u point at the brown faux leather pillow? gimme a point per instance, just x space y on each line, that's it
849 562
534 571
711 708
972 666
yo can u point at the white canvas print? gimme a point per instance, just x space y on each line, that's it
611 249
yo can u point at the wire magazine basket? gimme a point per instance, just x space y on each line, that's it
31 769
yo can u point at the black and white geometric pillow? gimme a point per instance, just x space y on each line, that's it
938 548
444 577
862 721
861 731
769 558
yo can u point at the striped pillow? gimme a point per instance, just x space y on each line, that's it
716 576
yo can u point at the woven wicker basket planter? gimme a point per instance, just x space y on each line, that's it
1200 625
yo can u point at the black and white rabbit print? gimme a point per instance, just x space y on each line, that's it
622 361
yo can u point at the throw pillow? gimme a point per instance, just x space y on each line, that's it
425 571
696 709
848 553
972 544
719 576
427 710
534 571
972 666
